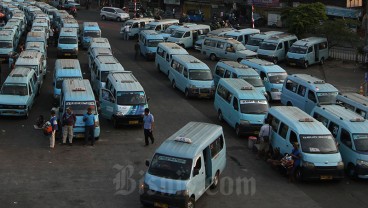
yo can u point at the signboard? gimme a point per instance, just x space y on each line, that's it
175 2
268 3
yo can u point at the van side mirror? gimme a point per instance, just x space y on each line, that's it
147 163
195 171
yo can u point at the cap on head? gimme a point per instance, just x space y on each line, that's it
146 110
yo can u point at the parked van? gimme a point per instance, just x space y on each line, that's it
32 60
225 48
275 48
65 69
233 69
242 35
70 23
78 95
8 43
95 52
273 76
320 157
148 41
36 37
305 92
38 47
256 39
15 27
354 102
18 92
191 76
164 54
161 25
351 131
239 104
89 30
185 166
102 66
169 30
42 23
186 36
68 43
136 25
22 20
99 43
18 22
123 99
308 51
218 32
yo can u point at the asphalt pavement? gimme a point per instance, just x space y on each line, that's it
108 174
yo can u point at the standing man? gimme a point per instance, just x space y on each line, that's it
136 49
68 125
264 138
126 32
54 125
148 122
89 122
173 12
51 37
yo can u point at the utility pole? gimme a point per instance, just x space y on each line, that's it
365 20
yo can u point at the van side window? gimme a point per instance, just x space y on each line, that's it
158 28
187 34
279 46
292 86
234 75
185 72
301 90
167 56
312 96
240 38
235 104
263 75
345 138
220 71
220 45
283 130
227 74
334 129
348 106
222 92
275 123
34 78
310 49
293 138
29 89
320 118
160 52
361 112
135 25
322 45
216 146
198 164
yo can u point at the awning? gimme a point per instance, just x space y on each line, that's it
342 12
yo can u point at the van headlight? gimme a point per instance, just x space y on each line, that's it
244 123
308 165
119 113
182 193
362 163
192 86
22 106
274 90
340 165
75 49
144 187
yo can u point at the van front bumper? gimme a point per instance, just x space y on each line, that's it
201 92
361 171
79 132
248 128
155 198
266 57
323 173
129 119
13 112
67 52
295 62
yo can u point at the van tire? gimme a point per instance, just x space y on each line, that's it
216 180
305 65
158 67
173 85
322 61
239 60
27 114
351 171
213 57
219 116
190 203
118 19
115 122
275 60
299 174
186 93
237 130
103 17
269 97
289 103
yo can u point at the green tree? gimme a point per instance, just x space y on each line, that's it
304 18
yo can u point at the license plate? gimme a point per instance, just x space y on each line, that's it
67 54
133 122
157 204
292 64
79 135
324 177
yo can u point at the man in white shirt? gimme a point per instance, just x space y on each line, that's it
126 32
264 138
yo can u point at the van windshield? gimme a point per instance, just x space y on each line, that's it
92 34
170 167
253 106
199 74
298 49
268 46
239 47
131 98
150 27
35 68
318 144
67 40
277 77
14 89
255 81
169 30
361 142
231 36
79 108
6 44
153 43
177 34
254 41
327 97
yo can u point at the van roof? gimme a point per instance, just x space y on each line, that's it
315 83
246 31
109 63
310 41
240 69
77 90
242 89
99 40
226 39
101 52
263 35
125 81
200 134
6 33
34 45
193 27
174 48
190 61
362 100
341 115
281 37
28 58
35 34
157 22
67 68
140 20
298 120
20 75
152 33
90 24
68 30
262 64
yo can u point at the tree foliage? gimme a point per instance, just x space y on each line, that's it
304 18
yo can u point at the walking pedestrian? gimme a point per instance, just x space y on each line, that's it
264 139
126 32
54 125
89 123
51 37
68 125
173 12
136 49
148 122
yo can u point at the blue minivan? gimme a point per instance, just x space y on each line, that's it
148 41
89 30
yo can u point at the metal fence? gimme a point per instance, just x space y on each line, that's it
346 54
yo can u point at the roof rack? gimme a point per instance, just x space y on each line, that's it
183 139
77 89
306 120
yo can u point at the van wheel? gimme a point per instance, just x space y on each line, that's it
213 57
103 17
322 61
219 116
351 171
190 203
186 93
27 114
239 60
275 60
299 174
305 65
237 130
115 122
289 104
173 85
216 180
269 97
118 19
158 67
